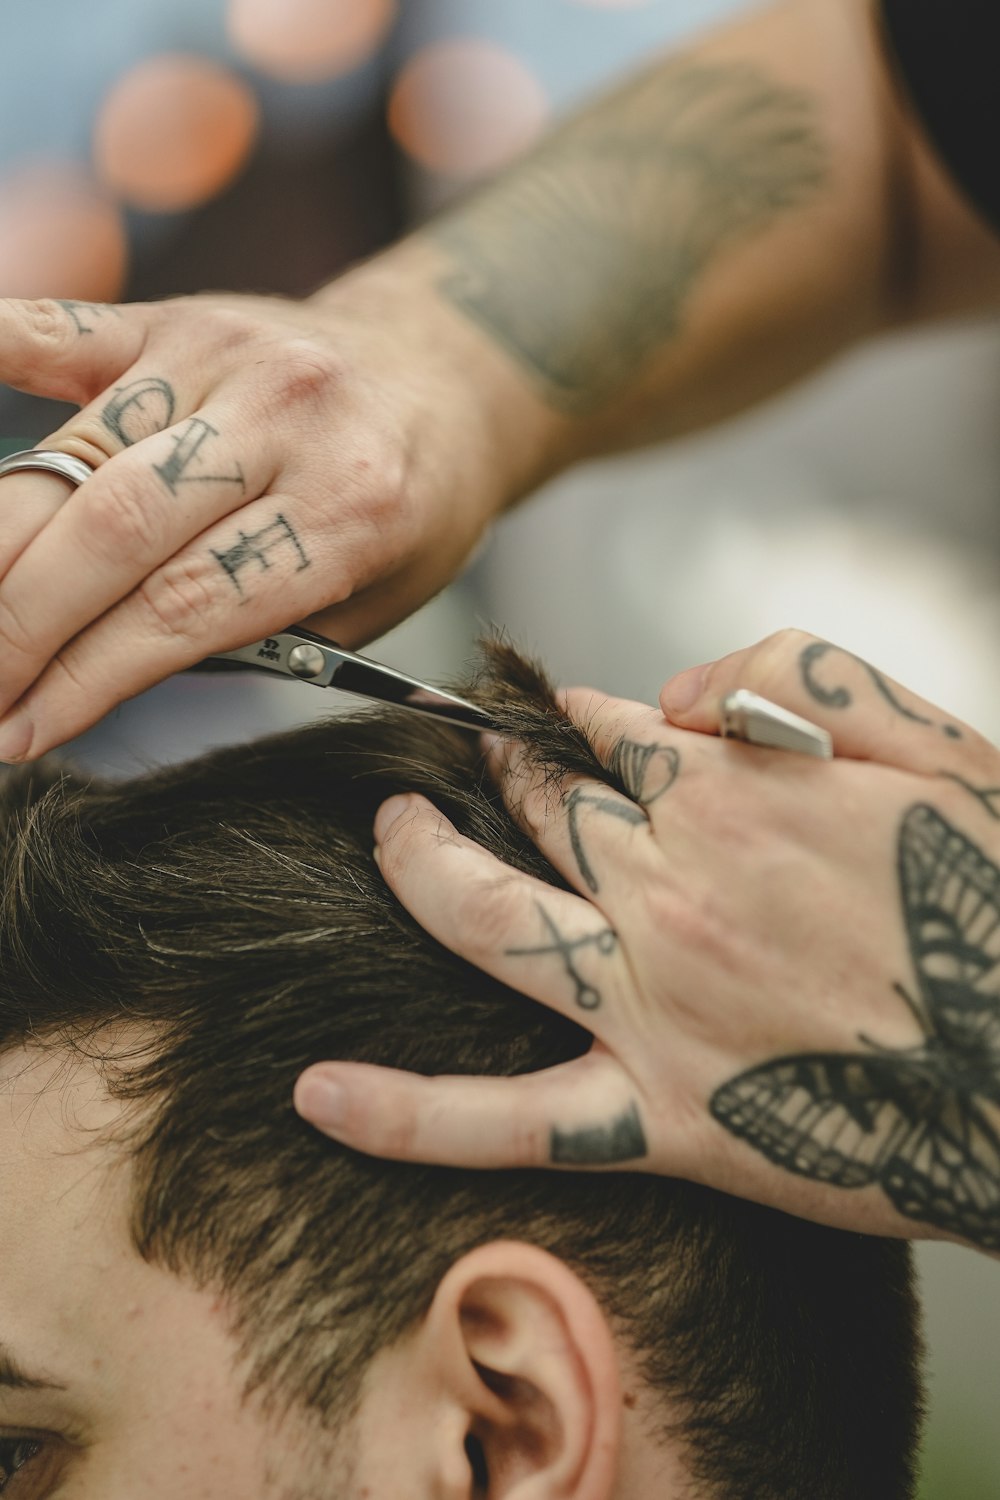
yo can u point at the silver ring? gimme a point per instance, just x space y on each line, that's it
76 470
755 720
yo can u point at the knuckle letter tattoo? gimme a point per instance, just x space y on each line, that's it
256 547
840 697
140 409
187 453
598 1145
86 314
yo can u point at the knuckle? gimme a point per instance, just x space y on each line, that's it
777 655
177 599
46 323
306 373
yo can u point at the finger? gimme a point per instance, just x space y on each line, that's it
582 1114
235 583
586 830
137 511
631 740
538 939
869 716
69 351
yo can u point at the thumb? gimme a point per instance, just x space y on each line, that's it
68 351
869 716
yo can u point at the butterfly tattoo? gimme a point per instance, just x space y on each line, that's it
922 1123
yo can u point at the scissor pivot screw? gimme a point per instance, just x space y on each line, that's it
306 661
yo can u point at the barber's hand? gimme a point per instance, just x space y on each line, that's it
791 968
260 461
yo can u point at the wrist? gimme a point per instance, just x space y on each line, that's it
474 394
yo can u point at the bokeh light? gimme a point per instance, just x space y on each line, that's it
174 131
303 41
60 235
466 106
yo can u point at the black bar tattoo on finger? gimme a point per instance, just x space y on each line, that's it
840 697
254 549
600 1145
140 409
86 314
187 454
604 942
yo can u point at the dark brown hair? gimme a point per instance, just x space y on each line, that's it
231 907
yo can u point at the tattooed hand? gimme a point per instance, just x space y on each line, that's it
259 462
791 968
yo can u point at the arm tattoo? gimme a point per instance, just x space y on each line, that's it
597 1145
839 697
139 409
86 314
615 807
921 1123
588 996
255 547
187 455
581 261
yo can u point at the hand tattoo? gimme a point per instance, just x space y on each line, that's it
615 807
987 796
599 1145
919 1122
588 996
645 771
139 409
256 547
86 314
839 697
187 455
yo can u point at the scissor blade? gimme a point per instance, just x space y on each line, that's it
300 653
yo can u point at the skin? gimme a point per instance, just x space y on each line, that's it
726 221
151 1403
779 958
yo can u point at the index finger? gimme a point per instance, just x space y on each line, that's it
67 350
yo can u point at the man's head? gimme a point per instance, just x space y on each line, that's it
237 1307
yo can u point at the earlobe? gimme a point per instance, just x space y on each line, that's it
535 1361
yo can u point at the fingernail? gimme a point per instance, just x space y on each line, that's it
16 734
390 812
682 692
322 1101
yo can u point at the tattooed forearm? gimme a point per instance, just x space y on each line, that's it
841 697
614 807
599 1145
644 771
139 409
920 1123
86 314
604 942
254 549
581 261
187 455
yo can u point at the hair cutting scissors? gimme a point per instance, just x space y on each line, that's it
297 652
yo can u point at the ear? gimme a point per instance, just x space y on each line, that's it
525 1351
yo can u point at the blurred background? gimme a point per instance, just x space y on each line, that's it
183 145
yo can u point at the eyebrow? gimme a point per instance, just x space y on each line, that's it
14 1377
